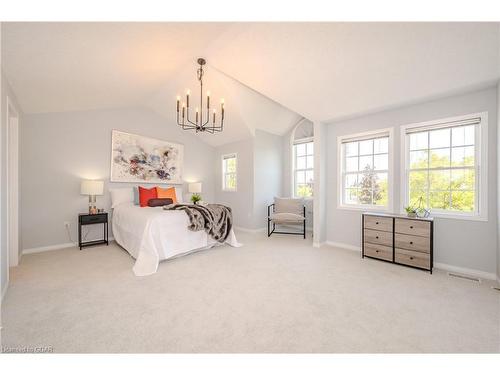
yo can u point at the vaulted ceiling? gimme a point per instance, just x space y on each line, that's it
270 74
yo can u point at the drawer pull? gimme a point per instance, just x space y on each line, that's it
376 222
377 251
411 258
376 237
411 242
411 226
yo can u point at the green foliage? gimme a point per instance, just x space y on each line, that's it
442 189
195 198
305 191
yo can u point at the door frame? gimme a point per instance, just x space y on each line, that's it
12 186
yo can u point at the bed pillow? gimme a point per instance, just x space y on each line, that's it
167 193
145 195
157 202
121 195
136 195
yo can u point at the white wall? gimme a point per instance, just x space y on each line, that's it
304 129
462 243
498 182
60 149
6 91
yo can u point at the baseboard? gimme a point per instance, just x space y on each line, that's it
318 244
4 291
248 230
60 246
466 271
343 246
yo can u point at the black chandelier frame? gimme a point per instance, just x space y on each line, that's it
200 124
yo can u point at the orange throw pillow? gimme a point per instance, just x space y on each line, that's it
145 195
167 193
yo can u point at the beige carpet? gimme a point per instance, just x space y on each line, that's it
272 295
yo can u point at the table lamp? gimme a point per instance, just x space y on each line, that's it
92 188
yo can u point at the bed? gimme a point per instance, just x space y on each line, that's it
152 234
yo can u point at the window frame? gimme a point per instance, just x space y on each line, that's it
390 170
224 173
294 164
480 160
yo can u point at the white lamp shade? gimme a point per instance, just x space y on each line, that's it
195 187
92 187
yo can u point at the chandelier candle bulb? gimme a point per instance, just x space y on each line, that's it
208 99
187 98
196 115
178 98
214 118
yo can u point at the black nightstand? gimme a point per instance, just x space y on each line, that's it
87 219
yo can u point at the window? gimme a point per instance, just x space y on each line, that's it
365 162
303 168
442 166
229 172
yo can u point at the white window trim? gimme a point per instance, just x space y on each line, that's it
481 156
228 156
390 173
293 143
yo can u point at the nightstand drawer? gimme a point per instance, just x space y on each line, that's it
378 237
93 219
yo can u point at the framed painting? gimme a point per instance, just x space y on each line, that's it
139 159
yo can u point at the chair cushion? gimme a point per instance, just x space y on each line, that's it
289 206
286 218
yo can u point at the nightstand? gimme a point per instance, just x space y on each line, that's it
87 219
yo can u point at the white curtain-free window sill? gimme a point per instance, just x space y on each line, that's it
455 216
363 208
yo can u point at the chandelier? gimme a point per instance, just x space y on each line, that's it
201 123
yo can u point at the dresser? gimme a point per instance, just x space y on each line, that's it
398 239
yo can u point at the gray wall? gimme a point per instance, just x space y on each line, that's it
259 178
462 243
268 166
241 200
61 149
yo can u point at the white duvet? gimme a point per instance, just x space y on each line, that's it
152 234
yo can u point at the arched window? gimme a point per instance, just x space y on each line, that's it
303 159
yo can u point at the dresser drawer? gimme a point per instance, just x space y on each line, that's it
414 227
378 223
412 258
93 219
378 237
415 243
378 251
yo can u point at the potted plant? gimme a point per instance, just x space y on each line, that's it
195 198
411 211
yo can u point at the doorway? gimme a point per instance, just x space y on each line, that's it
12 138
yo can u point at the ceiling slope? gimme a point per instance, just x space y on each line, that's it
327 71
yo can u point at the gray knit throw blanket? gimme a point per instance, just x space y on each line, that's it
215 219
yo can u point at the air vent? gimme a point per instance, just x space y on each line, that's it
463 277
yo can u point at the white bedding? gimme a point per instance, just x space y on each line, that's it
152 234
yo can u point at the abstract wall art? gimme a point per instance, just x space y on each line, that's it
135 158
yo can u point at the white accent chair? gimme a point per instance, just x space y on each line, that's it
286 211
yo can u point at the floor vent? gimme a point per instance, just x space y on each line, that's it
496 288
470 278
